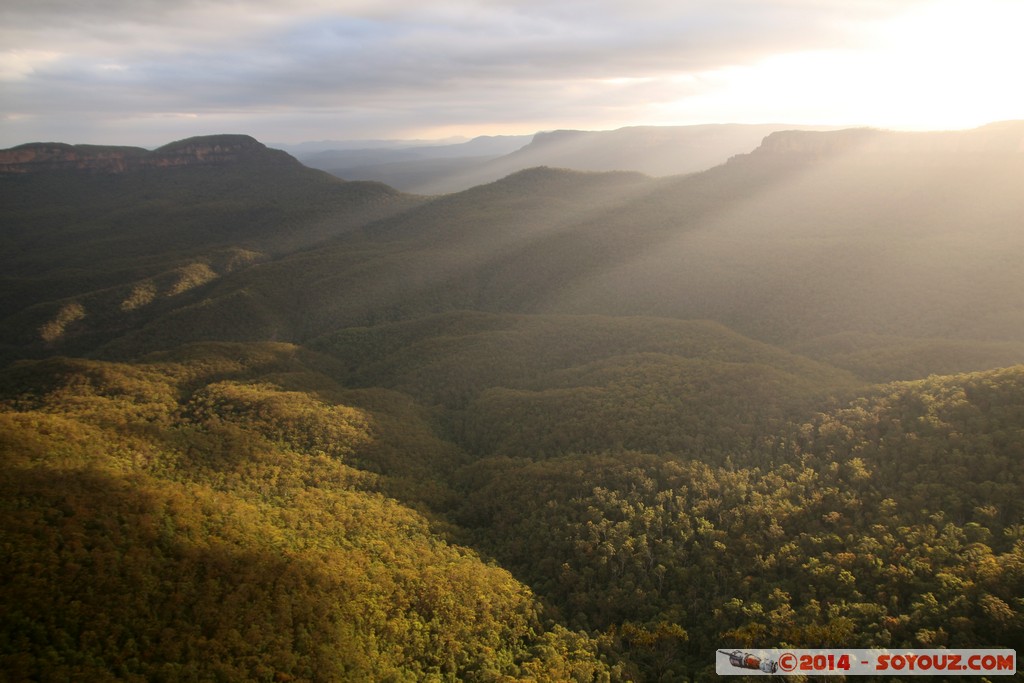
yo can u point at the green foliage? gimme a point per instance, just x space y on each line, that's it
548 385
448 357
291 418
777 249
645 400
786 250
162 521
651 402
72 239
894 521
884 359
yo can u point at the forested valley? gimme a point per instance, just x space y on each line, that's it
259 423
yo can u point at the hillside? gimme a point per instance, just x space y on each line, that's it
785 248
258 423
186 196
211 150
651 150
247 504
548 385
891 521
905 242
407 166
911 243
437 257
205 517
114 248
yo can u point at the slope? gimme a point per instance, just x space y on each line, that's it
545 385
890 521
875 235
411 167
111 244
788 244
203 515
648 486
652 150
440 256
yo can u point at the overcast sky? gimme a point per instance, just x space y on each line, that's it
145 72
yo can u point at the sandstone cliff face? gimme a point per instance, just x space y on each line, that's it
42 157
55 156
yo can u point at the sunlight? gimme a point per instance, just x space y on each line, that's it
950 64
956 64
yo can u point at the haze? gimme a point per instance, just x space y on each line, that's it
144 73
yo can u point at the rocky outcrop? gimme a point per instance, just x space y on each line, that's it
42 157
57 156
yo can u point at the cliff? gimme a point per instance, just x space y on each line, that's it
1005 137
42 157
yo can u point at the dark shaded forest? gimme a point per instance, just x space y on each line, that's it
258 423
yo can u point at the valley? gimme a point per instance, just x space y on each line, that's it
262 423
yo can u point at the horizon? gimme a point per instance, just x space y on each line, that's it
456 140
143 75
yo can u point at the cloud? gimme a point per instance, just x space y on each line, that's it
401 63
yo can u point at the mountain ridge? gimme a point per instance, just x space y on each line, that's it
745 243
651 150
42 157
1003 137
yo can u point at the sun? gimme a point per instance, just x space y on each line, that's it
953 63
946 64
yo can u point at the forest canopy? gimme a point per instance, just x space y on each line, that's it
257 423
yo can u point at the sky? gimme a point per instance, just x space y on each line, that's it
146 72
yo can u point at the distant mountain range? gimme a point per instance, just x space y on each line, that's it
653 150
811 234
206 150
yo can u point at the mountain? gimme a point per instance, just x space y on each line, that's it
365 154
652 150
407 166
1001 138
901 241
309 147
784 248
782 245
70 210
259 423
198 151
73 246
